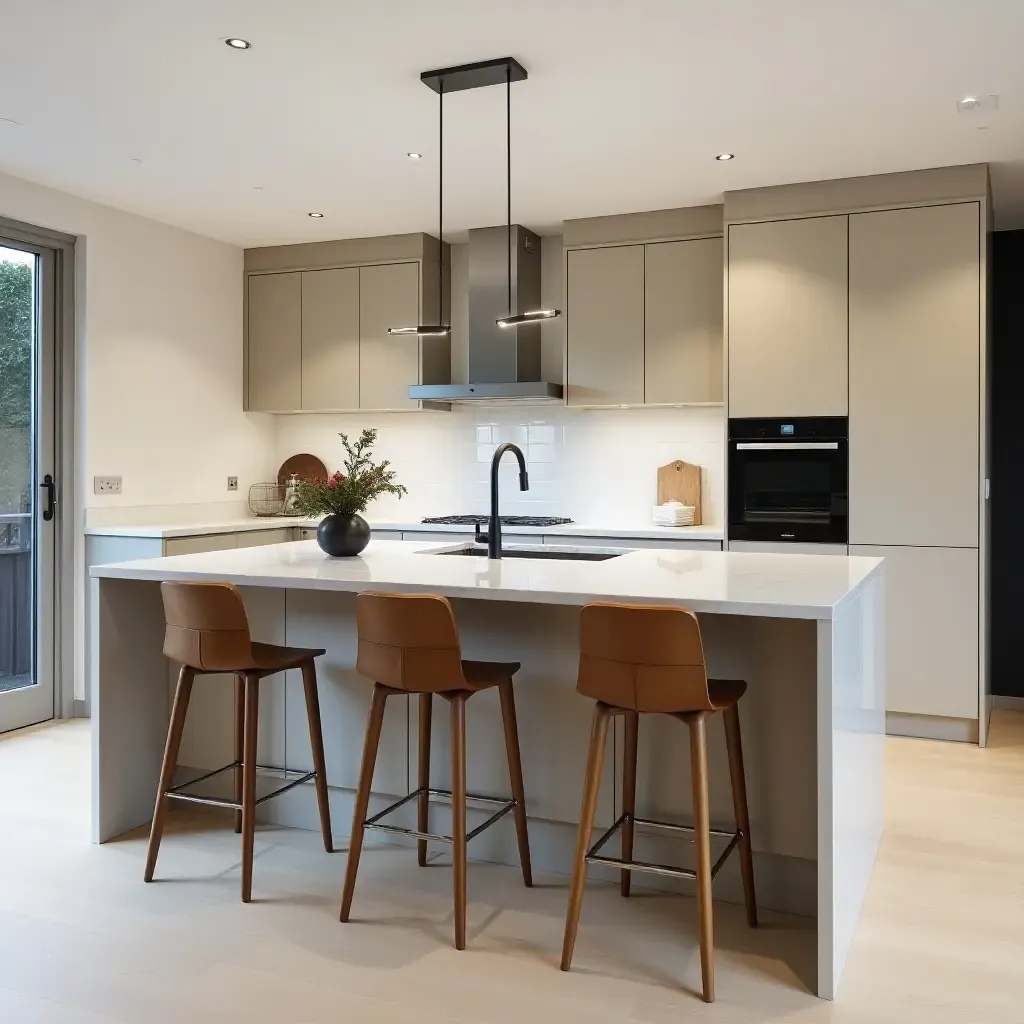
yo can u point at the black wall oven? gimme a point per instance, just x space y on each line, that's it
788 480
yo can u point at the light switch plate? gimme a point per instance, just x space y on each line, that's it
232 483
106 485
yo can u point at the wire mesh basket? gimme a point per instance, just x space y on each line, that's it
266 499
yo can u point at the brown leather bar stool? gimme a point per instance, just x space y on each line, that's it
410 644
638 660
207 632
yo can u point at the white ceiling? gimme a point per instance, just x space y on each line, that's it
626 105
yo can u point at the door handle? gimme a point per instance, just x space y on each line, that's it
51 496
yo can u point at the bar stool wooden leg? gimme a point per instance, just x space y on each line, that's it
458 730
739 801
239 733
175 728
702 844
316 743
629 793
423 775
515 772
373 727
591 788
252 707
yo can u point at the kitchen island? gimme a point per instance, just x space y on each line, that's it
805 631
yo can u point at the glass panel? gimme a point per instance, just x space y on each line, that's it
787 491
17 460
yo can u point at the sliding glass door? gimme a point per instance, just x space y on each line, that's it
28 493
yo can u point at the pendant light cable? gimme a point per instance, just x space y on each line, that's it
508 177
440 201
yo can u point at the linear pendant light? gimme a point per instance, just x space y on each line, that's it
531 315
440 328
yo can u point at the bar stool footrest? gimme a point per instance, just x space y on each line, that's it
176 792
504 806
593 854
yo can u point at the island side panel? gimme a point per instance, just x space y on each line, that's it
777 658
851 750
129 703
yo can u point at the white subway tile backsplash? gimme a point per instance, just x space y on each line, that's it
593 466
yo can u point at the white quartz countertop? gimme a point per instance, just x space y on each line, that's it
765 585
644 532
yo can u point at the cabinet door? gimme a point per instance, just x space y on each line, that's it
261 538
330 339
605 325
389 296
683 321
931 629
788 318
275 342
914 376
198 544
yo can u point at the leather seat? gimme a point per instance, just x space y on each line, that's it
268 659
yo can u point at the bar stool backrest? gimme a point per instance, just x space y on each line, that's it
642 658
206 626
409 642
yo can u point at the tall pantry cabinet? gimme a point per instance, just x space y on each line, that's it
890 270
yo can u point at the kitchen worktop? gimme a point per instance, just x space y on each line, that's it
243 524
776 585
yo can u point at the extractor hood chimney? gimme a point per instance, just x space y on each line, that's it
504 362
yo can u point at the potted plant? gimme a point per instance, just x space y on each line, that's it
343 532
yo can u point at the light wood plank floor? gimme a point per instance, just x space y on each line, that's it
84 941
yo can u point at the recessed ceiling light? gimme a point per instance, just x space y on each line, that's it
414 156
237 44
726 156
317 216
968 103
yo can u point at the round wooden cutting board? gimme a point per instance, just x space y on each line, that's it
305 467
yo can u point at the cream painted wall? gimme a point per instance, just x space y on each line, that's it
159 360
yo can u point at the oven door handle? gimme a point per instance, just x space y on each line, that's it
787 446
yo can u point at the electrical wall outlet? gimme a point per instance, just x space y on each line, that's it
232 483
106 485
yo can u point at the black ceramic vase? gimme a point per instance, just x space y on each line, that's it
342 536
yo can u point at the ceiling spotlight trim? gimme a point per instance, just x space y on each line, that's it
421 331
725 156
414 156
237 43
315 215
531 316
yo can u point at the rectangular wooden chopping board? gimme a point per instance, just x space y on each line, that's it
680 481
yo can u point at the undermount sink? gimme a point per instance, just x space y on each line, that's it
558 554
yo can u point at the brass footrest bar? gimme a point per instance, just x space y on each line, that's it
658 869
504 806
175 792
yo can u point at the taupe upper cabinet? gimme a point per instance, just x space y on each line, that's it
330 339
388 297
915 376
275 342
605 325
788 318
683 321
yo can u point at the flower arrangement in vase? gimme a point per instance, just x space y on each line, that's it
343 532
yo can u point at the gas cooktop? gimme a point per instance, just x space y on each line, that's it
505 520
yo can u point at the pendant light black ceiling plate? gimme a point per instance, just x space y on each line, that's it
475 76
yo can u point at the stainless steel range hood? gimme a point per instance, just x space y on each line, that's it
504 362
